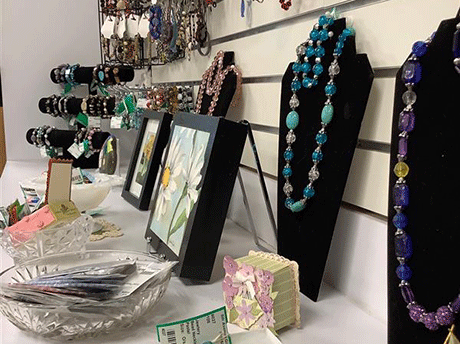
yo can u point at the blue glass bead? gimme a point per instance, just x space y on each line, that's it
323 35
406 121
296 85
319 51
456 44
338 51
306 67
403 246
101 75
288 203
419 48
314 82
401 195
314 35
321 138
339 45
296 67
287 172
411 72
318 69
322 20
330 20
317 156
348 32
288 155
330 89
310 51
327 113
306 82
400 221
308 192
403 272
297 206
407 294
292 120
342 38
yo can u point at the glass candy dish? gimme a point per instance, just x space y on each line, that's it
62 318
71 237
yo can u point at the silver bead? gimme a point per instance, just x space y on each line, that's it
313 174
318 60
290 137
330 34
310 42
399 232
457 61
288 188
316 26
294 101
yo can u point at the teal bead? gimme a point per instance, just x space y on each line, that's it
292 120
288 154
318 69
322 20
305 67
314 35
348 32
310 51
327 113
339 45
307 82
321 138
317 156
296 67
288 203
320 52
287 172
297 206
330 89
296 85
308 192
323 35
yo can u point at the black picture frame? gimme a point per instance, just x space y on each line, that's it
197 240
138 189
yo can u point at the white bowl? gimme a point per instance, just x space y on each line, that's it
85 196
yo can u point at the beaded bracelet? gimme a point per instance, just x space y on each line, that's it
88 142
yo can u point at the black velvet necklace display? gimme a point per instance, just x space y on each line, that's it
306 236
433 211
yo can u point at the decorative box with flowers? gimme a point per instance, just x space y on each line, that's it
261 290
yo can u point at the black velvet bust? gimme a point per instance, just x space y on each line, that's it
434 186
226 93
65 138
306 236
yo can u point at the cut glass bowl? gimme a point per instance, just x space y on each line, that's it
64 320
71 237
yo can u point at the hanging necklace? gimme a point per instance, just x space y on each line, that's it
212 81
444 315
292 120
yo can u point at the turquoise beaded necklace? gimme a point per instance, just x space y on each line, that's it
306 51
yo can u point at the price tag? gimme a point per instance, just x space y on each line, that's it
43 152
142 103
75 150
211 326
115 122
94 121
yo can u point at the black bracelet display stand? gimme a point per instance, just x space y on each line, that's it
74 106
433 216
65 138
306 236
84 75
226 93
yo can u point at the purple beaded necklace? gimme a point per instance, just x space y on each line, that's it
444 315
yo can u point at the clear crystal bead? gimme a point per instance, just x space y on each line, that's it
313 174
300 50
409 97
334 69
290 137
294 102
287 189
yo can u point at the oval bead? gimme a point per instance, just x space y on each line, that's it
409 97
401 169
321 138
411 72
416 312
402 146
327 113
401 195
403 246
288 154
403 272
400 221
406 121
429 320
330 89
292 120
297 206
308 192
444 316
288 203
317 156
407 294
419 48
287 172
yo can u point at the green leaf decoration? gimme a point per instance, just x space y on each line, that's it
67 89
180 221
103 90
82 119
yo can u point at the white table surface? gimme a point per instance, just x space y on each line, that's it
332 320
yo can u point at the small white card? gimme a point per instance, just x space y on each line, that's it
94 121
115 122
75 150
211 326
43 152
142 103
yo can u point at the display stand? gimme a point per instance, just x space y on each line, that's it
433 216
306 236
74 106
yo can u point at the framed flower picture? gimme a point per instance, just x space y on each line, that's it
145 160
194 189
